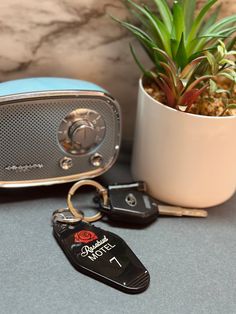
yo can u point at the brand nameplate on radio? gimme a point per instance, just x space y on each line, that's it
24 168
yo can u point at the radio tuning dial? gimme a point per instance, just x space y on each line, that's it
82 134
81 131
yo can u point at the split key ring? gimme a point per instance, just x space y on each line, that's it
100 189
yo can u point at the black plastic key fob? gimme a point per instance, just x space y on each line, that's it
129 203
102 255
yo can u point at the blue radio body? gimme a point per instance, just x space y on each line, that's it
40 84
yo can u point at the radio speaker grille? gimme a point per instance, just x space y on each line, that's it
28 137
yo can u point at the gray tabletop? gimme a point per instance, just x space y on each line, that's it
191 261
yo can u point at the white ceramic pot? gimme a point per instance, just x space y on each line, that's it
185 159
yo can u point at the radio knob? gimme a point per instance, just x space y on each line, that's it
82 134
81 131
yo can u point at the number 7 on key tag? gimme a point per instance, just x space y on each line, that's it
115 259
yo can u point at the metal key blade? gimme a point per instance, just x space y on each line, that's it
178 211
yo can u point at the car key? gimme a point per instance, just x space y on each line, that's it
100 254
128 203
131 204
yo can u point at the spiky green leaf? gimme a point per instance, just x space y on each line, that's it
161 32
158 28
181 56
231 106
212 86
212 38
188 8
165 13
220 25
227 75
216 30
231 43
199 20
178 21
211 20
226 61
139 64
219 91
212 61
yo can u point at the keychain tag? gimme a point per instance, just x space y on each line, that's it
102 255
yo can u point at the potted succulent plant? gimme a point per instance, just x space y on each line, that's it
184 145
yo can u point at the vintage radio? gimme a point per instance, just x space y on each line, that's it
56 130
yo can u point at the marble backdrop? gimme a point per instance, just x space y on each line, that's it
73 38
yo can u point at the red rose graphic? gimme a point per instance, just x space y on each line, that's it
84 236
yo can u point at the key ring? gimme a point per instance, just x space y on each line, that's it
102 192
59 216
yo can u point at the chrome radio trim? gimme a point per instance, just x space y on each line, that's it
58 94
